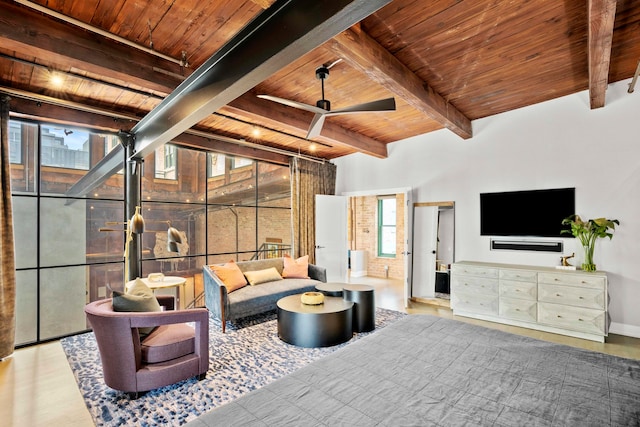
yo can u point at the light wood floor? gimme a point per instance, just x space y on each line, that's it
37 387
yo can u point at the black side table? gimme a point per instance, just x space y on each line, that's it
331 289
364 307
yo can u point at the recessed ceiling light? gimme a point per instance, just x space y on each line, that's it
56 80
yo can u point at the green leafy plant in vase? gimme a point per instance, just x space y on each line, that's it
588 232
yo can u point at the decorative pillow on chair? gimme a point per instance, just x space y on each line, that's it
296 269
231 275
139 298
262 276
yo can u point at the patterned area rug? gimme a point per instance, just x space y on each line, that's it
247 357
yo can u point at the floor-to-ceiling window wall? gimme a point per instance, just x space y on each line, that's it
69 250
62 258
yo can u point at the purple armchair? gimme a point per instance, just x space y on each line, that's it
174 351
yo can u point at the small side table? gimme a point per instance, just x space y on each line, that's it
331 289
364 307
165 282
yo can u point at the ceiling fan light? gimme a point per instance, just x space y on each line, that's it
324 104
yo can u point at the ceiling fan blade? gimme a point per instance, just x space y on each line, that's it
294 104
316 125
381 105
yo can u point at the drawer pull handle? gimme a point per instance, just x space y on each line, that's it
558 295
517 309
580 320
580 297
559 317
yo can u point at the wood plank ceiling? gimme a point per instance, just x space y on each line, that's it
446 63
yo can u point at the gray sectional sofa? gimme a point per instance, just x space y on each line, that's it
250 300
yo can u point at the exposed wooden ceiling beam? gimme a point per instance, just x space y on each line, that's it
31 33
363 53
250 107
602 14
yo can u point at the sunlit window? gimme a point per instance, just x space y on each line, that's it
387 227
15 142
64 147
216 164
238 162
110 142
166 162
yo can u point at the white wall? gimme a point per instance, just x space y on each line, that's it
559 143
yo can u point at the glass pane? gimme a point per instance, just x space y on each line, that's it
237 186
389 211
25 231
388 243
187 219
215 164
274 185
165 162
64 147
26 306
232 229
68 154
104 279
274 232
23 144
103 244
185 184
63 232
63 295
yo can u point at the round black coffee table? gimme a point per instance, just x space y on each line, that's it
322 325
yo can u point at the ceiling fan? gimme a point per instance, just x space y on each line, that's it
322 109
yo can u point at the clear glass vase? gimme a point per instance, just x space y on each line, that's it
588 264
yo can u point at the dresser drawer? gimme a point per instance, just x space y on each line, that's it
519 309
475 303
474 285
574 318
523 275
515 289
572 295
582 280
471 270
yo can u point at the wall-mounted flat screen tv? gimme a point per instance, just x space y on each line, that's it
535 213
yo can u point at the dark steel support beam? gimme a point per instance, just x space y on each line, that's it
278 36
133 192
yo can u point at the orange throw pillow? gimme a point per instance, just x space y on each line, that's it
296 269
231 275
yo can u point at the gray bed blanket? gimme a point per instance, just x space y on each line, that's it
429 371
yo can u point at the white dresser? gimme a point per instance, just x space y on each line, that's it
567 302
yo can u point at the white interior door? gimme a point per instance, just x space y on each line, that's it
408 246
425 240
332 247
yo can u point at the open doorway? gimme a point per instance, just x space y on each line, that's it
358 231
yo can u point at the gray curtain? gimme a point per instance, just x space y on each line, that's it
7 258
308 178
